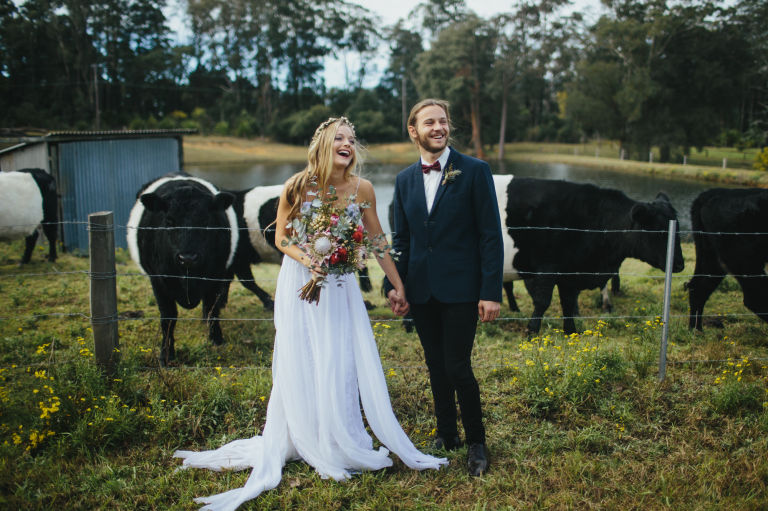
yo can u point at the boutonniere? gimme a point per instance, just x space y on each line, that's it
450 174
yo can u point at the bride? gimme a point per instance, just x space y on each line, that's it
325 362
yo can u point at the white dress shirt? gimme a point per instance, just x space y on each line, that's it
432 179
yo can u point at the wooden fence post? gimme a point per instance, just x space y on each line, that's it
101 231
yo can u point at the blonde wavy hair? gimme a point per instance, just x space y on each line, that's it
320 163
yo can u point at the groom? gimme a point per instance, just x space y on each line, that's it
448 233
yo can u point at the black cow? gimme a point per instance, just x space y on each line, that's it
742 212
578 259
28 199
539 240
183 233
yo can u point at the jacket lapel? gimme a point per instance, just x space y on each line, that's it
417 184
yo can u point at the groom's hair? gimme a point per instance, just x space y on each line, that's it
424 103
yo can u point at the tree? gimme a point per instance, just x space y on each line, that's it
457 67
658 75
403 67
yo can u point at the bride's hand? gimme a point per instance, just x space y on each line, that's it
317 273
398 302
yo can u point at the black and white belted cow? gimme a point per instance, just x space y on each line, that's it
28 200
257 209
185 234
572 256
730 230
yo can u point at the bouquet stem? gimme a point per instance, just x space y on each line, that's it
310 292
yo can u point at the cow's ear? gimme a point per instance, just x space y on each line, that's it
641 214
661 196
154 202
222 201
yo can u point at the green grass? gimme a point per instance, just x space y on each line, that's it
574 422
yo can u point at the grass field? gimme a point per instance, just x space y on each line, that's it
574 422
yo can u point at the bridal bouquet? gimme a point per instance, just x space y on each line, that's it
333 237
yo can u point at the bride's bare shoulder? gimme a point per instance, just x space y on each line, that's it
365 190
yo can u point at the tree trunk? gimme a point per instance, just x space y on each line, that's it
503 127
475 116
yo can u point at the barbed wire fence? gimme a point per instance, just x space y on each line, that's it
104 316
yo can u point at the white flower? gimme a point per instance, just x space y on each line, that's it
322 245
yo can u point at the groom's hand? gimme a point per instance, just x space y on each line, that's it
487 310
398 303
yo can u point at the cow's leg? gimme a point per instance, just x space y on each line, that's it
569 297
509 290
706 277
213 300
408 322
30 246
616 285
755 294
540 290
51 232
606 296
245 276
365 280
168 314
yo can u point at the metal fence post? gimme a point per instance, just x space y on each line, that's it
667 296
101 231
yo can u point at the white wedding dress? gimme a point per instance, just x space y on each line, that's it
325 363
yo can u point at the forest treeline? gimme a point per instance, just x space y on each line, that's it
646 72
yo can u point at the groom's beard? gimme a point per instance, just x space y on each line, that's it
431 145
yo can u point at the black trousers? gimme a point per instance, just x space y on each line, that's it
447 334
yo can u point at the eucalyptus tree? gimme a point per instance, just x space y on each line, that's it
402 69
532 40
457 67
436 15
657 74
749 17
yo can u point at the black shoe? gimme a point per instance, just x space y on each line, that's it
449 444
477 459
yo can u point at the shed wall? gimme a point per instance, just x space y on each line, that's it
29 157
104 175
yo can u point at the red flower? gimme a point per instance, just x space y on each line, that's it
334 259
357 236
342 253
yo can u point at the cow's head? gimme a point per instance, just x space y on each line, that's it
196 227
651 247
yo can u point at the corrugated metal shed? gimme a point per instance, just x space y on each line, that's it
98 171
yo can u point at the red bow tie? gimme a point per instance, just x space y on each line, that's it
427 168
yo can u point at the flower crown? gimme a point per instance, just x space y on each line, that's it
330 121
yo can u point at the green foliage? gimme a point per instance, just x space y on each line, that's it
300 126
247 126
221 128
761 160
573 369
734 394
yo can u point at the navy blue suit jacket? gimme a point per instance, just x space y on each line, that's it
453 253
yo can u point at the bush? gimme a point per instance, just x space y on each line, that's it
372 126
733 395
761 160
221 128
574 369
247 126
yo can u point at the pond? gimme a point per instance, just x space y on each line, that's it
639 187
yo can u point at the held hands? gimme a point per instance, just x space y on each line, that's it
487 310
398 303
